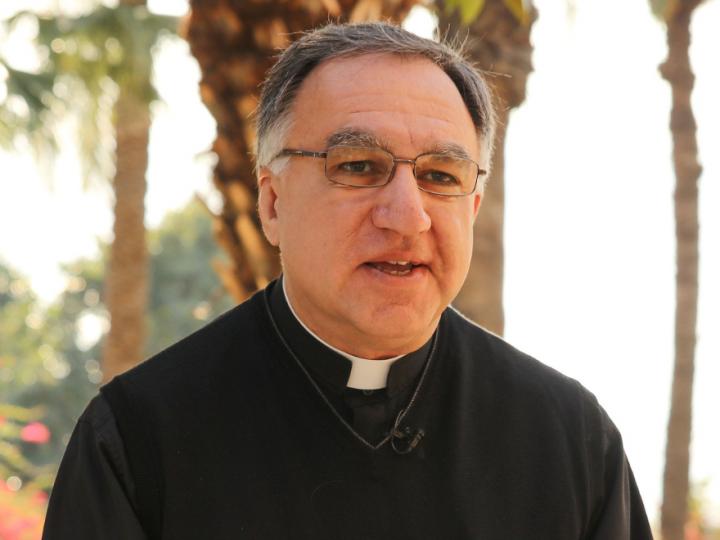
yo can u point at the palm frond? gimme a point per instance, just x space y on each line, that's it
660 8
108 42
90 56
27 109
469 10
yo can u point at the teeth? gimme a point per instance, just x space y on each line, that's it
394 268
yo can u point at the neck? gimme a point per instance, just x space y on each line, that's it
366 374
363 346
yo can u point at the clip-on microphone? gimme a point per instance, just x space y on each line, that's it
404 440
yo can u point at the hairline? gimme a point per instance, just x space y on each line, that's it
278 130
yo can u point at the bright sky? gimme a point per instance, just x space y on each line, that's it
589 227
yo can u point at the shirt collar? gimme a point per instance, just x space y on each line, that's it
365 374
337 368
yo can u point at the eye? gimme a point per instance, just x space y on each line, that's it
357 167
438 177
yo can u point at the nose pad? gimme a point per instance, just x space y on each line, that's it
400 205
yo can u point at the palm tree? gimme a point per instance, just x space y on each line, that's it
235 43
677 71
499 43
126 280
107 54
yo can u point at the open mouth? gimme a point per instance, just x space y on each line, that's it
394 268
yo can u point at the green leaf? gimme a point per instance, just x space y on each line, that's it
34 92
469 9
658 8
22 414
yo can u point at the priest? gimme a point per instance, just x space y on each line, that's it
349 400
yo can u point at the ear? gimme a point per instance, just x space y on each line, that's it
485 164
268 204
477 201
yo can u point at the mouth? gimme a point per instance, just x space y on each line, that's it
395 268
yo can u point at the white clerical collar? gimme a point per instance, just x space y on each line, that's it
365 374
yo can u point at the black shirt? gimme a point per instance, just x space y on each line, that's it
245 430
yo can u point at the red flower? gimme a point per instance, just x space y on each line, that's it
36 433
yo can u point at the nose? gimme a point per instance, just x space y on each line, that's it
400 206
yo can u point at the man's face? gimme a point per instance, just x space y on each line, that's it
335 240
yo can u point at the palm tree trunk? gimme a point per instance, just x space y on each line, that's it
481 297
235 43
676 70
500 44
127 275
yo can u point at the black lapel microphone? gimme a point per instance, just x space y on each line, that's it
405 440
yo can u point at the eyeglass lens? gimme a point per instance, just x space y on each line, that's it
367 167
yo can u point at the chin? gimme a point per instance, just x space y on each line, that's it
398 326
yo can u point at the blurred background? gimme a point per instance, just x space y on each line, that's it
127 208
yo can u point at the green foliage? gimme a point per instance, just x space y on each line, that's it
42 378
665 9
470 10
85 60
659 8
107 43
30 111
48 355
20 320
184 290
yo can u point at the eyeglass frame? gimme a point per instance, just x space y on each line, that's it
289 152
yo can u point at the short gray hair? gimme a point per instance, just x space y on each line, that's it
346 40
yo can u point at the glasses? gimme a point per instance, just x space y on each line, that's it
370 167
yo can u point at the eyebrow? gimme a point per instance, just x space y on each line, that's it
358 137
449 149
355 137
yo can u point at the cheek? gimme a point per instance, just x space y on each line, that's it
324 230
454 235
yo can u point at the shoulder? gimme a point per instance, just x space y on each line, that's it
514 376
215 352
528 394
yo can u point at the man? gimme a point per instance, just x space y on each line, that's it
347 400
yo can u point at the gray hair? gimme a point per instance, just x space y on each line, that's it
346 40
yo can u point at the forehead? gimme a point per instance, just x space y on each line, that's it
408 102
